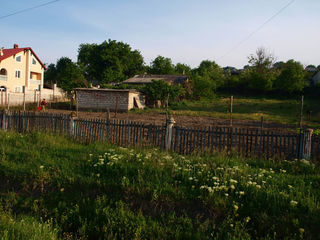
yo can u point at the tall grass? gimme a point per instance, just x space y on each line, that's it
106 192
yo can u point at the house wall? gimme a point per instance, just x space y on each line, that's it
14 84
100 99
316 78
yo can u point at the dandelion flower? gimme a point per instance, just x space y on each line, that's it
233 181
293 203
235 207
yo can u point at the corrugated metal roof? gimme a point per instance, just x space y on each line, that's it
105 90
145 79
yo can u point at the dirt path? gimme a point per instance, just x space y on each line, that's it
183 121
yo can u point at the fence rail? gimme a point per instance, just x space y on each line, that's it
243 141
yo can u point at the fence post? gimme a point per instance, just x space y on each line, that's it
305 144
71 124
169 126
4 122
301 112
231 109
8 103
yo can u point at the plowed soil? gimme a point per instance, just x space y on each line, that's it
183 121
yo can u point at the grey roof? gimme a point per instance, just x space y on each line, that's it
105 90
145 79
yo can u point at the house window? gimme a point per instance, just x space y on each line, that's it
18 59
17 89
18 74
34 62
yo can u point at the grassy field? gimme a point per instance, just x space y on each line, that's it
282 111
52 188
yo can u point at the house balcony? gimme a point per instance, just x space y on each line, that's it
34 82
3 78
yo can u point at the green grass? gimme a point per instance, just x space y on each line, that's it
282 111
98 191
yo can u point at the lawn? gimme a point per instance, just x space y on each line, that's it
282 111
54 188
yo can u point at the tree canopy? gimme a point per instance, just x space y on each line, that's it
160 90
207 78
69 75
261 74
161 65
292 77
110 61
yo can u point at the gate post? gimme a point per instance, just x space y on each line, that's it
168 139
71 123
305 144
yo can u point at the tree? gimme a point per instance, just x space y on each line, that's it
69 75
111 61
160 90
292 77
207 78
261 75
50 75
181 68
161 65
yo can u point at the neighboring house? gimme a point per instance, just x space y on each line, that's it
316 78
146 79
232 70
120 99
311 69
20 68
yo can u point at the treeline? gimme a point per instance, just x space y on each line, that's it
114 62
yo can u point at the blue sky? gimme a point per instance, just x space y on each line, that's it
187 31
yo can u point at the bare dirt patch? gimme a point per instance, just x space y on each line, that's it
183 121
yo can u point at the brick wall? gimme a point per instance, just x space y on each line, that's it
103 99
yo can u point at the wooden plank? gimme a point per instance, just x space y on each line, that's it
268 146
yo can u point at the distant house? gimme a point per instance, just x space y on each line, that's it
311 69
147 79
122 99
316 78
20 68
231 70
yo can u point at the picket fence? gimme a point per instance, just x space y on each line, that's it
184 140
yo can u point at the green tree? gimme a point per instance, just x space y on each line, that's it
207 78
160 90
50 75
111 61
69 74
261 74
161 65
292 77
181 68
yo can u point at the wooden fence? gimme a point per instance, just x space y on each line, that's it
242 141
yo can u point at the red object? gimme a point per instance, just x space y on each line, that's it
39 108
13 51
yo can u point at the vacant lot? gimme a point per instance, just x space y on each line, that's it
246 112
